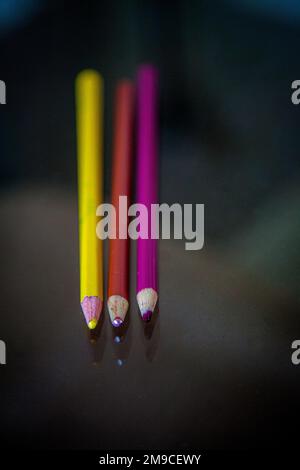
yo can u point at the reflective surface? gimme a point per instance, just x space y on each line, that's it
212 368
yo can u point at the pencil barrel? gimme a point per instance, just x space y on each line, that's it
118 272
147 170
89 119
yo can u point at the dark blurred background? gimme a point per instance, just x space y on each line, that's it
214 369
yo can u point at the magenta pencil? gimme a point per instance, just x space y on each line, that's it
147 185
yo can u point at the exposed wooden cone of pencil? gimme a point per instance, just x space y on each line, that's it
146 299
91 307
117 308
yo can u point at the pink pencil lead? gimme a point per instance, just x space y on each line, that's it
147 316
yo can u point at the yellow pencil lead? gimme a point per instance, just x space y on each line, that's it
92 324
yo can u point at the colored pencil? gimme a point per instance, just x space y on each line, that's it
118 298
89 114
147 185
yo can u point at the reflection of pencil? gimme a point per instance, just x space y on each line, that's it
89 113
121 182
147 97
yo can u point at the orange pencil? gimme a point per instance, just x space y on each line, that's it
118 269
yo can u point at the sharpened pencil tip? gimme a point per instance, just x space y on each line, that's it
117 308
147 299
91 307
147 316
92 324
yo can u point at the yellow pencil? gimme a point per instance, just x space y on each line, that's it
89 117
